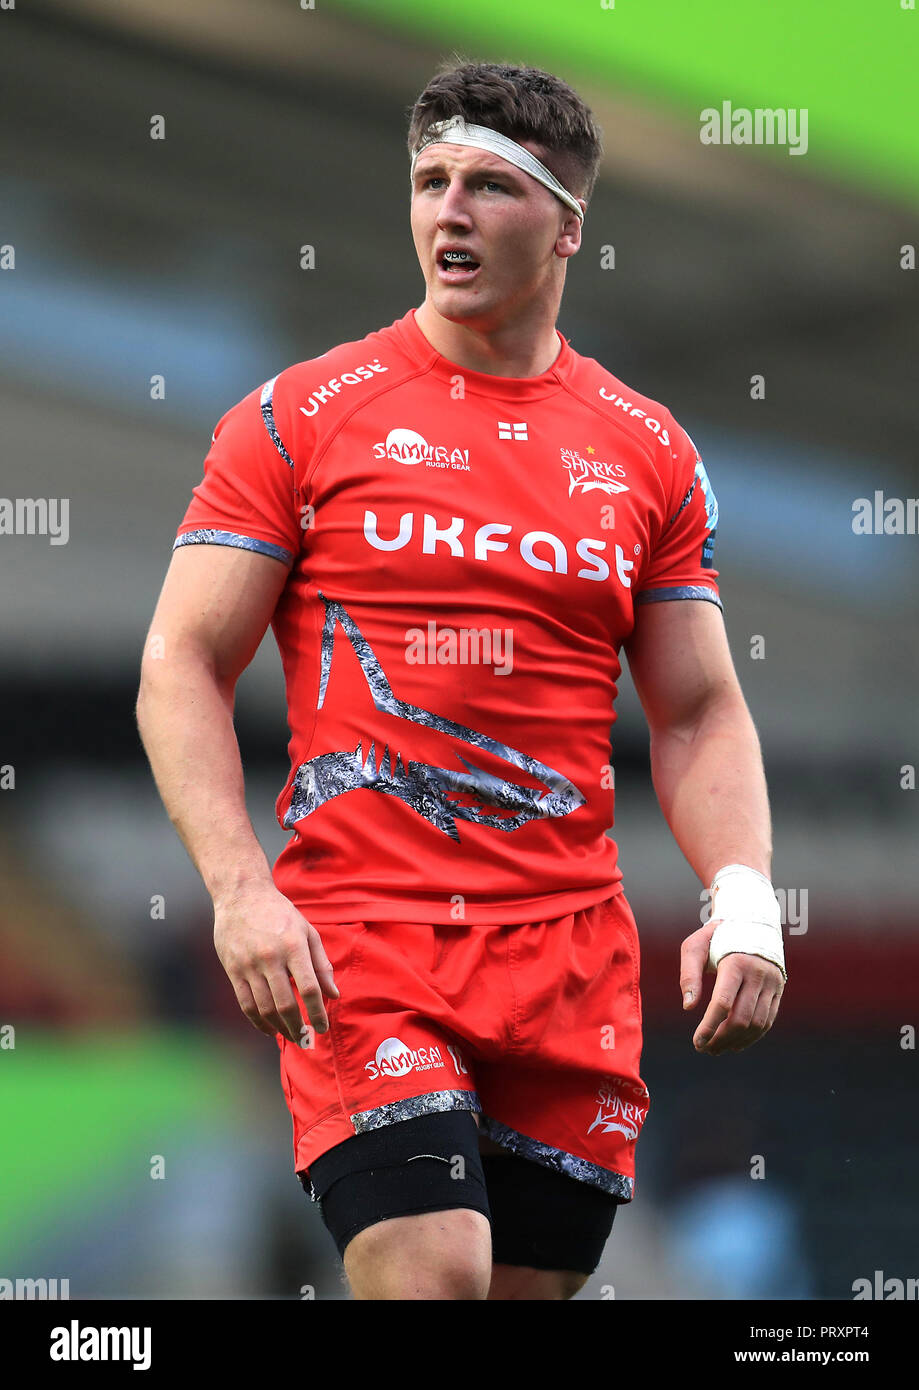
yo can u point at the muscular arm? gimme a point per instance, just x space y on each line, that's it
707 771
214 608
706 764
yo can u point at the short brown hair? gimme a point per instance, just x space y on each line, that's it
523 104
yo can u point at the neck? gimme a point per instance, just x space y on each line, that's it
514 348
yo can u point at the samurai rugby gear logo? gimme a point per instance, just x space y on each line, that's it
393 1058
407 446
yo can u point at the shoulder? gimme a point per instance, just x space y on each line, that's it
647 421
346 373
304 404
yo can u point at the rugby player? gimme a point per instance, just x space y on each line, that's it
454 525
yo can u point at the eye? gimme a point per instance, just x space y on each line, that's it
494 184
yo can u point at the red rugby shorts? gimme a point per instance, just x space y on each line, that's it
535 1028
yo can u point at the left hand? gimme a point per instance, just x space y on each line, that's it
745 998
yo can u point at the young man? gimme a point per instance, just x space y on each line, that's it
453 526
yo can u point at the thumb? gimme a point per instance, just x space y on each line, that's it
693 960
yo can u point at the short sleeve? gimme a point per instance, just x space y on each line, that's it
247 497
681 565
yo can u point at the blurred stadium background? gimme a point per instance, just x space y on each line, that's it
286 126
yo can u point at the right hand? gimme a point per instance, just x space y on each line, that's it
267 947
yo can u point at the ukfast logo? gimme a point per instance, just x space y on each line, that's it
499 802
484 541
636 412
331 388
588 475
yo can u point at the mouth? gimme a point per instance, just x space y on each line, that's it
456 268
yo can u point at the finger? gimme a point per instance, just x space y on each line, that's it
693 960
246 1001
771 984
325 973
264 999
774 1008
763 1008
308 987
766 1008
738 1031
286 1007
727 983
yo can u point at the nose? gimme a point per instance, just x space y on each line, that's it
453 207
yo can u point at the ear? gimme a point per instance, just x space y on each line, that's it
568 242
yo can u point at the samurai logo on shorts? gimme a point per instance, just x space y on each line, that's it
622 1106
393 1058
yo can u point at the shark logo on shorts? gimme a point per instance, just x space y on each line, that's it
502 804
616 1113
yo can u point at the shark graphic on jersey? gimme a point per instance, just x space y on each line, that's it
423 787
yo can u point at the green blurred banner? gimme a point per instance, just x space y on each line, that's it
81 1112
852 64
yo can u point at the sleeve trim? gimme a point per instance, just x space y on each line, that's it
680 591
211 537
267 406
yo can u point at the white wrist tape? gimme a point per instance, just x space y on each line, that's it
746 910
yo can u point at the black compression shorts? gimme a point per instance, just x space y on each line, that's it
540 1218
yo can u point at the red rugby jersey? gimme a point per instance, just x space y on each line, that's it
465 551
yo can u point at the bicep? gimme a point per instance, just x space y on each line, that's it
679 660
215 604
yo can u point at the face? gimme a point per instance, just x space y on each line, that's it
516 231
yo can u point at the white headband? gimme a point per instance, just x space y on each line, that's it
456 132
